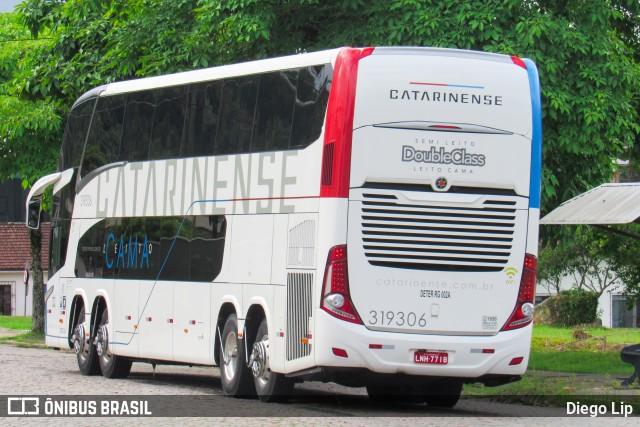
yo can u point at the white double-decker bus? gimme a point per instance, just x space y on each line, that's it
363 216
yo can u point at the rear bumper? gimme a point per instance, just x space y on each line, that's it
466 357
361 377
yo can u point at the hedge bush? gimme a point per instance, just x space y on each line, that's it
574 307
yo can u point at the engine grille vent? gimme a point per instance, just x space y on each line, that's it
299 297
437 236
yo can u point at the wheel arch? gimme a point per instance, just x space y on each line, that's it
225 311
252 322
77 303
99 304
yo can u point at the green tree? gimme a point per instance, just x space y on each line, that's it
624 260
29 131
554 265
594 259
598 260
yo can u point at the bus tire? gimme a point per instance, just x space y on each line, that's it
111 365
443 394
234 374
270 386
84 348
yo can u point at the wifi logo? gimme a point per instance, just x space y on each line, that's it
511 272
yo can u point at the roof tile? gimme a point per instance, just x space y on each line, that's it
14 245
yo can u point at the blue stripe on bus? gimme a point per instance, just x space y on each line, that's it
536 138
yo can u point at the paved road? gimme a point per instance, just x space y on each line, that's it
50 372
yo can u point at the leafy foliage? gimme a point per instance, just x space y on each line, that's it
625 261
554 265
598 259
29 128
574 307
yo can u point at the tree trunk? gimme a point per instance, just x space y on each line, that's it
37 319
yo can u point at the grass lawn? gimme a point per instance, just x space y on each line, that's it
554 336
25 339
580 362
556 349
15 322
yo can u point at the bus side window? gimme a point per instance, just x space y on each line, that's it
236 115
175 254
105 134
60 228
90 256
274 113
168 123
138 122
203 112
311 105
75 135
207 247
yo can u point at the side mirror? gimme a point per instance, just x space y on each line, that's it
33 216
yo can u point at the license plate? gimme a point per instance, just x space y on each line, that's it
431 357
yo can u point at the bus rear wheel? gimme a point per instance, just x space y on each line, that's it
84 348
234 374
270 386
112 366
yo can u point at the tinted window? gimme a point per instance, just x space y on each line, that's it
236 115
75 135
168 123
89 258
103 143
61 226
274 112
138 123
311 105
165 248
207 246
202 119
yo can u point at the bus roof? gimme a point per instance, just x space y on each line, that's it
224 71
271 64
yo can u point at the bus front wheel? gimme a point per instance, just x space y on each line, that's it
234 374
270 386
112 366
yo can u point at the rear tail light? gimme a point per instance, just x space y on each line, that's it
523 312
340 352
336 299
516 361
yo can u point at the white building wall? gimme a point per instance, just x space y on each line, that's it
18 292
